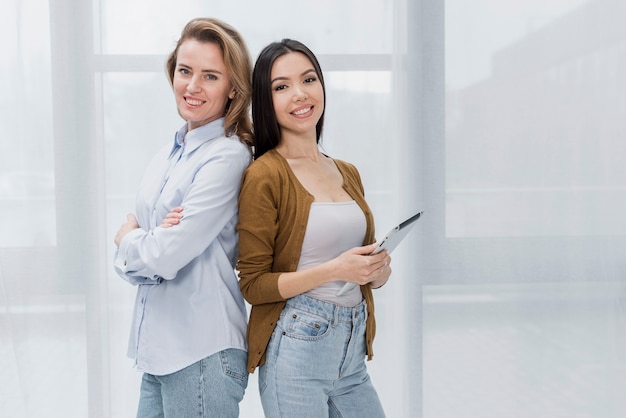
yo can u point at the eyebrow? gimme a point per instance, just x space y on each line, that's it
202 71
310 70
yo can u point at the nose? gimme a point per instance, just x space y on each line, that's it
193 85
300 94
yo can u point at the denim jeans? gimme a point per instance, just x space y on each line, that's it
315 363
211 387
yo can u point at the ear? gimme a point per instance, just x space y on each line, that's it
232 94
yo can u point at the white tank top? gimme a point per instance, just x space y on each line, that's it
333 228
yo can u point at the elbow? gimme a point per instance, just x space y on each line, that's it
164 269
260 289
248 294
165 273
252 292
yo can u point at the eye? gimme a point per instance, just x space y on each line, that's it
211 77
183 71
310 79
280 87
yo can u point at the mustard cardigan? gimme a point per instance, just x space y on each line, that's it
273 215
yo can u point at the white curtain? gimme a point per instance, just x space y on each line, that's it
502 120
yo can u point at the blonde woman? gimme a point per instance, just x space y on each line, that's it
188 334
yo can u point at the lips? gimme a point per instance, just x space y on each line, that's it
302 111
193 102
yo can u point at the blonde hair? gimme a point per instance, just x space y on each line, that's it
238 65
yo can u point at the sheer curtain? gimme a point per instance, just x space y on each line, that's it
500 119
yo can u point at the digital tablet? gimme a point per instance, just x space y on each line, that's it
389 243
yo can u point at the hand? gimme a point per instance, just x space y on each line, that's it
172 218
358 266
382 275
130 224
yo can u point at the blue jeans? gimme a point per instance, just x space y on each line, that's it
211 387
315 363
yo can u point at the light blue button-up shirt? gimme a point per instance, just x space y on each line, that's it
188 303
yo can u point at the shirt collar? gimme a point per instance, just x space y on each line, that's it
189 141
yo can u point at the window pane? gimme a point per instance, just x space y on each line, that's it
358 120
524 314
528 153
27 201
125 29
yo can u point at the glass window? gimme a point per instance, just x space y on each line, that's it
527 154
346 27
523 303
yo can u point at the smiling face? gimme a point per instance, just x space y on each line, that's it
201 84
297 94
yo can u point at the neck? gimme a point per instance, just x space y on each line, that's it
299 151
299 147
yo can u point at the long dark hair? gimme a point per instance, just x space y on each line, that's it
266 128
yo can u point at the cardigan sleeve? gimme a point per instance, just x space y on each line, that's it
258 227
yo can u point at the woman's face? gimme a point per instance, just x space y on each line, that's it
297 94
201 84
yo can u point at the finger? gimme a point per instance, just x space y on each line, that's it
385 270
377 261
379 257
173 216
364 250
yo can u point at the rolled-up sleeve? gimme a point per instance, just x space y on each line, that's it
120 261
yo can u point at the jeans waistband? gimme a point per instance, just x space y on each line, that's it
328 310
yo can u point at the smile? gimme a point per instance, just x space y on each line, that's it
302 111
193 102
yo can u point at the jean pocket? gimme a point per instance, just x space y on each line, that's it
304 325
234 362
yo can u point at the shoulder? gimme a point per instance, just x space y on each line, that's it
266 165
351 175
233 144
347 169
229 149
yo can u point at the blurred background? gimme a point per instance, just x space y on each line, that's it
503 120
